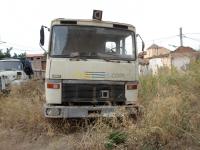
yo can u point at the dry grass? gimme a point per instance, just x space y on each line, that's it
172 114
22 109
171 118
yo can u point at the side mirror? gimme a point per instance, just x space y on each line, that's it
42 36
143 45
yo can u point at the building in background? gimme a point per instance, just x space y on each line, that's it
155 50
179 59
157 62
182 56
38 62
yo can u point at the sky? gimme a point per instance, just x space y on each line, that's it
157 21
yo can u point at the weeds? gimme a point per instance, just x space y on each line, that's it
115 138
171 117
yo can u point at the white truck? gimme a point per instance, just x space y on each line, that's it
13 71
92 68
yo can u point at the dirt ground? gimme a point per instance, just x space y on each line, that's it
16 140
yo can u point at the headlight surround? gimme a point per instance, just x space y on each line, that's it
53 111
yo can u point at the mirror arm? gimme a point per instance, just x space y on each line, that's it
143 44
46 27
43 48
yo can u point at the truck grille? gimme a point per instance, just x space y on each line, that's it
94 94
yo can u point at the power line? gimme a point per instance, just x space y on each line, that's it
193 33
194 39
18 47
162 38
174 46
169 37
181 36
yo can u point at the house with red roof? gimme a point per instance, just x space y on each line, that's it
179 58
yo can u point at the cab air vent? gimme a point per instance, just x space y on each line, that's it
120 26
68 22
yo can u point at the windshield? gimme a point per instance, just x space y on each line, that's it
96 42
10 65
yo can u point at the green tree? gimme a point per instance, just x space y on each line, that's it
7 53
15 55
1 54
22 55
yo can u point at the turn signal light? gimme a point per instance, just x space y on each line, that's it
53 86
132 86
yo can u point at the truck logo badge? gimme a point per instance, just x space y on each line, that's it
56 76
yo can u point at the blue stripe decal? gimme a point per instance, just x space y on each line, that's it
96 74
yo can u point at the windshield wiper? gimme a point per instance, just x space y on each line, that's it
74 54
107 55
83 54
77 55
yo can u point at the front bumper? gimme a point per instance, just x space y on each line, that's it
88 111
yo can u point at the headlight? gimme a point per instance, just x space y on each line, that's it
53 111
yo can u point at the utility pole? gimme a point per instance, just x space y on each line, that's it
181 37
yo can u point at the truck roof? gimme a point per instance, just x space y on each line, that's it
96 23
10 59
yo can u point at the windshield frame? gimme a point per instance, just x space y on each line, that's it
134 46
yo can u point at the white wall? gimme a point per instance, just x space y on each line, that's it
180 63
155 64
143 70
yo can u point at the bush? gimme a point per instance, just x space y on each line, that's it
115 138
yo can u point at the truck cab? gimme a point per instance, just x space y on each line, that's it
13 71
92 68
